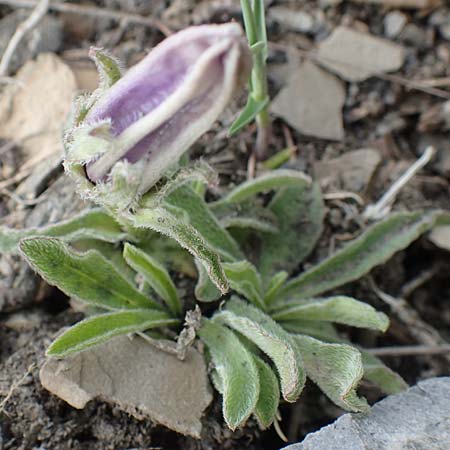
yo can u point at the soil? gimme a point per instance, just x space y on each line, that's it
388 115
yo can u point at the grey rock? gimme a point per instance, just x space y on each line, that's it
311 102
394 23
356 56
418 419
45 37
292 20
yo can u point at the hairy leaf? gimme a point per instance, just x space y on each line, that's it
205 290
274 286
271 339
98 329
90 224
324 331
87 276
245 280
336 369
338 309
237 371
206 224
300 212
164 222
269 181
375 246
156 276
269 394
380 375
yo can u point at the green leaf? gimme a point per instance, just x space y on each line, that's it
164 222
271 339
206 224
109 71
338 309
336 369
245 280
380 375
269 394
155 275
375 246
247 215
87 276
274 287
269 181
252 108
300 211
205 290
90 224
98 329
324 331
236 369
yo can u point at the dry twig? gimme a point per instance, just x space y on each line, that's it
39 11
14 386
411 350
85 10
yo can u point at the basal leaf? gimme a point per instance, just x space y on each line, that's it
299 211
271 339
269 181
155 275
338 309
380 375
86 276
237 371
324 331
269 394
245 280
98 329
375 246
90 224
161 220
274 287
206 224
336 369
205 290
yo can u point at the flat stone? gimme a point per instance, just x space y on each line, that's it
356 56
394 22
311 102
351 171
292 20
418 419
140 379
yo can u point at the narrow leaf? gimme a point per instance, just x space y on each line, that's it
252 108
87 276
90 224
324 331
164 222
338 309
236 369
274 287
380 375
271 339
274 179
205 290
98 329
245 280
269 394
336 369
155 275
375 246
206 224
299 211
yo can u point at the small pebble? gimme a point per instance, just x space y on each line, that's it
394 22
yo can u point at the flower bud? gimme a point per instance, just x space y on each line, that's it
141 125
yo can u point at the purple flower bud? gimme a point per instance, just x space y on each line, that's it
167 101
